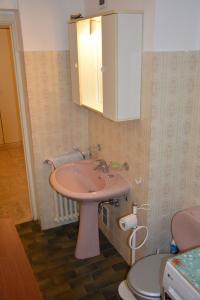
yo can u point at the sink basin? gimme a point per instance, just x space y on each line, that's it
80 181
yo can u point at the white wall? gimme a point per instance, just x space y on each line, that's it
92 5
8 4
169 25
177 25
44 23
148 6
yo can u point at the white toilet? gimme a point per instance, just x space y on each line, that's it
144 280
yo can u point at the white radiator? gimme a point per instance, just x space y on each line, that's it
66 210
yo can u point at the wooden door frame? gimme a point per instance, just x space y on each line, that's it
10 18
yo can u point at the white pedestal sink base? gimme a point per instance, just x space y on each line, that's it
88 235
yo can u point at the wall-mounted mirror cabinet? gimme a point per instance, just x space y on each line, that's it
106 58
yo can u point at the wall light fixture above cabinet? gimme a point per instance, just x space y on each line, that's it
106 58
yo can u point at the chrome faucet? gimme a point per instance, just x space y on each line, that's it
102 166
81 152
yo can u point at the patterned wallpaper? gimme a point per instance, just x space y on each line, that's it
170 126
57 124
126 141
163 147
174 179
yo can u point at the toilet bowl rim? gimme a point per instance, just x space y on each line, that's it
137 293
143 293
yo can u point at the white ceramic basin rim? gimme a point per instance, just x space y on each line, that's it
80 181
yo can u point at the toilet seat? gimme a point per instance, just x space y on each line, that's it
145 277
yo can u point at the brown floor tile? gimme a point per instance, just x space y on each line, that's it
60 275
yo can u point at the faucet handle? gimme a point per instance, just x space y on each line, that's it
125 166
94 150
101 161
102 164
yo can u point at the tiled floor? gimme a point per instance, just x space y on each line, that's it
60 275
14 201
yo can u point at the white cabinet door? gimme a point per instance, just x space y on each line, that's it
122 60
109 60
74 63
115 42
90 62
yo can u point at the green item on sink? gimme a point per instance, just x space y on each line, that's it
115 165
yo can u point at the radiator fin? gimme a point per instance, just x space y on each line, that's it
66 210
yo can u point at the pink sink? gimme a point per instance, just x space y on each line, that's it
81 182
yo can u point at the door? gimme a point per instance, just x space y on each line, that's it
89 44
109 57
10 131
74 63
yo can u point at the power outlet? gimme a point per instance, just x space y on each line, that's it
105 215
102 3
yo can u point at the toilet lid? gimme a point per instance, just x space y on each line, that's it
145 277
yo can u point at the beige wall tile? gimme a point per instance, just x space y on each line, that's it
57 124
173 183
170 126
126 141
163 147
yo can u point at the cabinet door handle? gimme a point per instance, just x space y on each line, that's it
76 65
